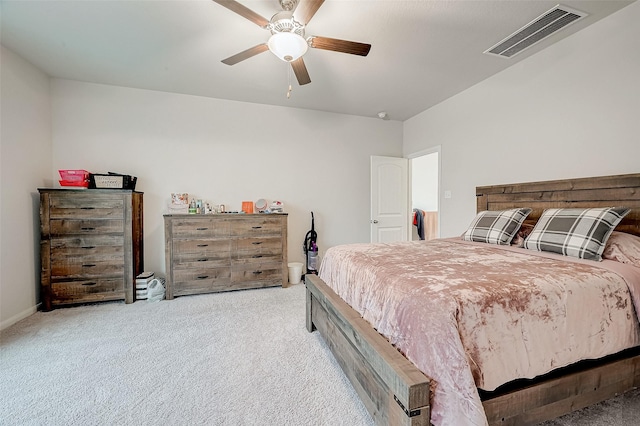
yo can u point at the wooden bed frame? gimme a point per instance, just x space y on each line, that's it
395 392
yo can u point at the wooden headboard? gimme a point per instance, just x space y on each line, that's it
603 191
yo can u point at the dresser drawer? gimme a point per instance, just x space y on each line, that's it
258 245
200 228
199 274
212 255
264 271
86 253
200 262
88 226
200 253
86 206
239 259
87 266
87 249
88 290
202 246
201 280
257 249
86 242
257 226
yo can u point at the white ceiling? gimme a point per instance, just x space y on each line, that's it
423 52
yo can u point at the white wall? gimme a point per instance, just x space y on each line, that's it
225 152
25 165
571 110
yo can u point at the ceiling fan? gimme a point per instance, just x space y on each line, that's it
287 39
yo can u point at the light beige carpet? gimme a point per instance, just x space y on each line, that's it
237 358
623 410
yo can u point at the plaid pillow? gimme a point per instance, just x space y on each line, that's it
496 227
580 233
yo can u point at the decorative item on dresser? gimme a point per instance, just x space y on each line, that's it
91 246
212 253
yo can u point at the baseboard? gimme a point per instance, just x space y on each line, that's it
14 319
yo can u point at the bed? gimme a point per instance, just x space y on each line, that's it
395 391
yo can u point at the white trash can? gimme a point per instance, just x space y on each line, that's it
295 272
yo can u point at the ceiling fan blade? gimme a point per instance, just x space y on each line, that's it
338 45
246 54
300 70
305 10
244 11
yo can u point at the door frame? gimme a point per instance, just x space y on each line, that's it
434 149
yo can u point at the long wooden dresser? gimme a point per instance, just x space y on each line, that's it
91 245
222 252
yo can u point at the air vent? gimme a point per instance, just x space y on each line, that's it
540 28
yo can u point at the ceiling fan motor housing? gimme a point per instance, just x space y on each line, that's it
283 22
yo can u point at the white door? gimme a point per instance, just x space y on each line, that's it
389 199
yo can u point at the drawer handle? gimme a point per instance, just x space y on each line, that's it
203 245
256 256
87 208
257 272
87 228
201 229
257 243
88 284
88 247
203 260
256 227
202 277
89 265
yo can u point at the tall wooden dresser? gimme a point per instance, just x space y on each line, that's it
221 252
91 245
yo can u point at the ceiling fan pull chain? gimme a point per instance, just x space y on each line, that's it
289 80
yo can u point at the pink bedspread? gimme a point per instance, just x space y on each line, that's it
474 315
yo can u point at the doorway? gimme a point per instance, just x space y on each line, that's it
424 167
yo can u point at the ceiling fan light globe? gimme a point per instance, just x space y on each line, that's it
287 46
